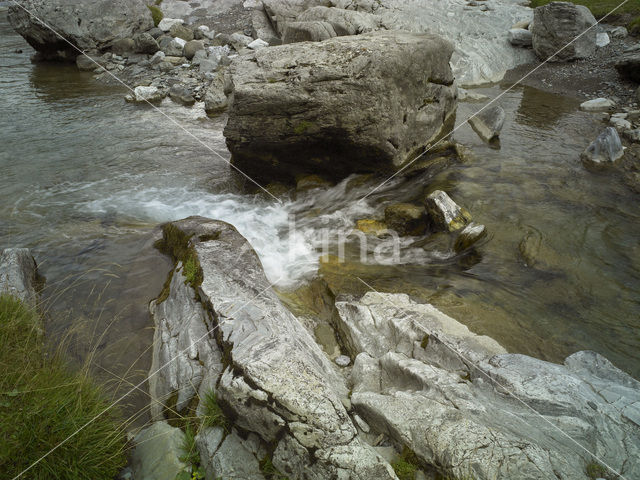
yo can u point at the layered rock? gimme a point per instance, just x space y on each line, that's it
349 104
563 31
469 409
270 376
89 25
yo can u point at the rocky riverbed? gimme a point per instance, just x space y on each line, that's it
349 385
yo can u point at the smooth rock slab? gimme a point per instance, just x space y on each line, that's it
597 105
556 27
298 109
157 453
605 149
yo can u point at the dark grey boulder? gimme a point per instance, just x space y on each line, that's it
89 25
628 66
145 43
181 94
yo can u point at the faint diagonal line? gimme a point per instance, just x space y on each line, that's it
169 117
138 385
450 134
493 380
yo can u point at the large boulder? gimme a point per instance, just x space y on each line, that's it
87 24
349 104
269 375
471 410
563 31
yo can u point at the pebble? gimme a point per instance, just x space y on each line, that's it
343 361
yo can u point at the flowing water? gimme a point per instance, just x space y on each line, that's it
86 179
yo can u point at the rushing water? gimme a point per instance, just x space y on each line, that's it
86 179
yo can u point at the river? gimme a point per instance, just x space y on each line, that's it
87 178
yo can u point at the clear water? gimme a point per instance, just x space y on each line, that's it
86 179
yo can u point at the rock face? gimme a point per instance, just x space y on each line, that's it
90 25
605 149
425 380
348 104
19 275
269 374
556 25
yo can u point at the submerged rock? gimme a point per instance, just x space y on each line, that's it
488 122
406 218
606 148
297 109
89 25
471 234
556 28
445 214
19 275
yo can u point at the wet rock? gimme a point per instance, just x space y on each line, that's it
602 39
406 218
178 30
175 47
166 23
557 25
297 108
190 48
427 382
257 44
123 46
88 63
445 214
90 25
628 66
145 43
19 275
144 94
469 235
157 451
372 227
307 32
310 182
277 385
488 123
520 37
181 94
605 149
216 100
344 22
597 105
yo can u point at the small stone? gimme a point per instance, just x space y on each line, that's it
597 105
145 43
342 361
190 48
520 37
602 40
166 23
144 94
606 148
257 44
521 24
445 214
181 31
155 32
157 58
181 94
406 218
362 425
123 45
619 123
488 123
240 40
199 56
470 235
175 47
618 32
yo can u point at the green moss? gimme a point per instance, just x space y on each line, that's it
595 470
425 341
406 465
43 403
634 26
177 244
600 8
156 13
269 471
302 127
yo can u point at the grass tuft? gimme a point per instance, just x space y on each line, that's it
406 465
42 403
269 471
156 13
213 414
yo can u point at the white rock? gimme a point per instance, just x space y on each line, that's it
18 274
143 94
597 105
166 23
342 361
362 425
620 123
257 44
471 96
445 214
602 40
